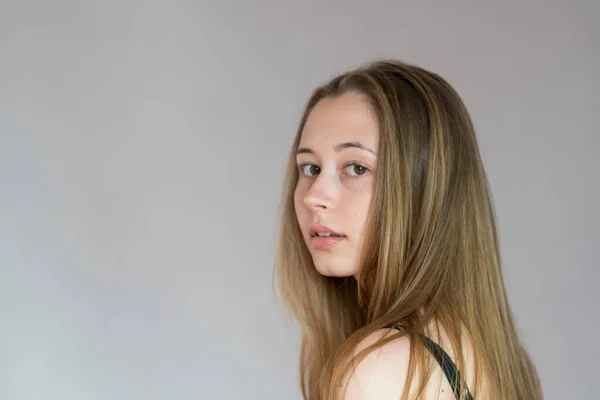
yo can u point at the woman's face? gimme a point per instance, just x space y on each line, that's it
337 157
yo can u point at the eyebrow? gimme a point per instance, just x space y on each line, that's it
339 147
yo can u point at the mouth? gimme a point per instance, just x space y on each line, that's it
324 238
326 234
324 231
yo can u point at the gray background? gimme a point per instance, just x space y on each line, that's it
142 146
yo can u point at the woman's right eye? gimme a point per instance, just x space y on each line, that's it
309 169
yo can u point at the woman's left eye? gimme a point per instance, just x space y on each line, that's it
355 169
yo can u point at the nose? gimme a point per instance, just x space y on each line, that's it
323 193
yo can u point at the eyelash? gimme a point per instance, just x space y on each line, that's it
350 164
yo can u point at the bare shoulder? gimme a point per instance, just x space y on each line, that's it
382 373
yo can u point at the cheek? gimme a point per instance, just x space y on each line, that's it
298 204
360 211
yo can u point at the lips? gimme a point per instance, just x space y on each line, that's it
324 231
324 238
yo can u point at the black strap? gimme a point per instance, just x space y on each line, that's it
445 363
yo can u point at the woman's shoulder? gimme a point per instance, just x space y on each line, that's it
383 372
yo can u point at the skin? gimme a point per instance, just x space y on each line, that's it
337 161
382 373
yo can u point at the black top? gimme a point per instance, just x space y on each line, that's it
448 366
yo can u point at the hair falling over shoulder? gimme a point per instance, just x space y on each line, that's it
431 253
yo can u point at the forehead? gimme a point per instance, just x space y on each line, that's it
346 118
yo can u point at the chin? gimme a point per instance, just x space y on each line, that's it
333 269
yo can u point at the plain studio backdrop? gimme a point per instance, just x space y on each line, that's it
142 150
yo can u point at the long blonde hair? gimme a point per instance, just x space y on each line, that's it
431 252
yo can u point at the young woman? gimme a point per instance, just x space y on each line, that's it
388 254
